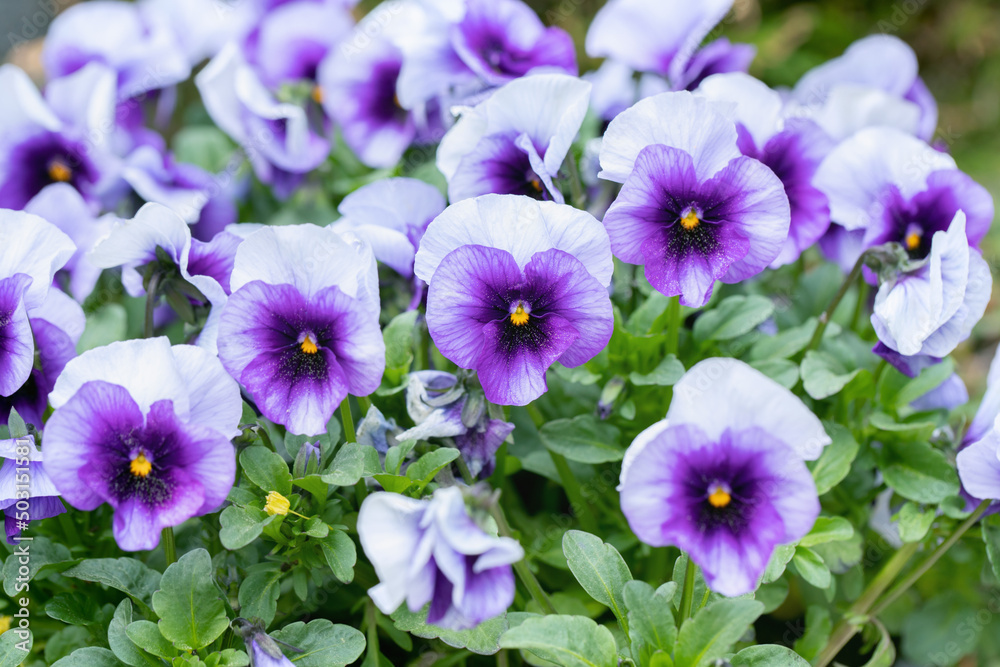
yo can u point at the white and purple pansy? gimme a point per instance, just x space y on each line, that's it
515 285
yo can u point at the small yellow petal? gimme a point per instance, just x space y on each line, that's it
719 497
690 220
309 346
519 317
140 466
277 504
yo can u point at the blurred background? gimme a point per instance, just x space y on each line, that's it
957 42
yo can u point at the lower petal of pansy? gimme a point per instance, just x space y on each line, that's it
514 358
487 594
356 339
253 322
16 346
496 165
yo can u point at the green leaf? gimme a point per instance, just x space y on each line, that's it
828 529
266 469
912 522
73 608
393 483
584 438
399 336
732 317
423 469
91 656
203 145
885 650
396 455
600 569
13 650
833 465
919 431
353 461
259 592
779 561
16 425
146 635
991 537
188 603
811 567
817 634
340 554
107 324
666 373
917 471
43 554
568 641
713 631
899 390
322 643
127 575
484 639
767 655
242 525
823 375
650 615
123 647
782 371
786 344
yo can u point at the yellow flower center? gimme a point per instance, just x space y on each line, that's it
519 317
308 345
537 184
59 171
690 220
317 94
140 466
276 504
913 240
719 497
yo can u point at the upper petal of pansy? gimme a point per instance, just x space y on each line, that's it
877 61
651 36
388 528
679 120
851 107
958 327
396 203
979 465
860 169
716 394
23 109
156 178
521 226
17 348
214 395
146 368
756 106
989 407
86 100
34 247
549 108
311 258
217 85
392 248
295 37
468 291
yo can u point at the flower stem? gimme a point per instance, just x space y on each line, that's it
827 315
364 405
151 296
687 594
345 415
169 546
673 324
524 572
576 188
69 528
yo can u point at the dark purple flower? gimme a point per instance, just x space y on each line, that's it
718 57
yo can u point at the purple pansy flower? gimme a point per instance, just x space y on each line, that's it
200 27
391 215
358 89
723 476
930 307
144 427
261 648
300 331
133 244
793 149
898 189
516 285
440 406
62 138
693 209
33 250
276 135
143 53
515 141
432 551
42 501
978 459
950 394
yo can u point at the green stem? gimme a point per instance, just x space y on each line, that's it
827 315
579 197
69 528
463 468
364 405
345 416
854 618
524 572
169 546
372 633
673 324
151 297
687 594
919 571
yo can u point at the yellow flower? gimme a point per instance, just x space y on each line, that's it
277 504
5 623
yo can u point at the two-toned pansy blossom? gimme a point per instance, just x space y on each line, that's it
26 492
515 285
300 330
144 427
262 650
978 459
515 141
693 209
432 551
723 477
930 307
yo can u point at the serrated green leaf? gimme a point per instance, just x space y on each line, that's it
823 375
584 438
917 471
568 641
340 554
666 373
322 644
259 592
828 529
146 635
352 462
711 633
811 567
188 603
482 639
732 317
767 655
427 466
835 462
266 469
241 525
600 569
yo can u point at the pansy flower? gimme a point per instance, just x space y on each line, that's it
515 141
723 477
144 427
262 649
433 551
693 209
391 215
514 286
978 459
930 307
792 148
42 501
301 331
